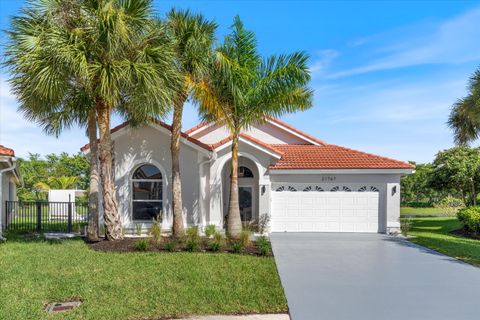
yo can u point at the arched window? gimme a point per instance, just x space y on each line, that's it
244 172
147 192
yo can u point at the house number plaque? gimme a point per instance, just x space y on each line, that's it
329 179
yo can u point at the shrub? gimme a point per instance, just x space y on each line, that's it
218 237
263 246
217 242
141 245
260 224
245 238
470 217
156 231
210 230
450 205
170 246
214 246
405 226
192 233
193 239
192 245
237 247
263 223
138 229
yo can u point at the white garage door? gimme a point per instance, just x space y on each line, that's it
324 211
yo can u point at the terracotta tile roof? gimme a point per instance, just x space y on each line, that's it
4 151
331 157
162 124
247 137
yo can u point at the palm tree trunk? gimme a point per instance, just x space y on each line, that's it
178 228
113 226
92 230
234 224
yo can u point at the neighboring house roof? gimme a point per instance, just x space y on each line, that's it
331 157
4 151
162 124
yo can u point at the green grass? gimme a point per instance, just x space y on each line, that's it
421 212
132 285
434 233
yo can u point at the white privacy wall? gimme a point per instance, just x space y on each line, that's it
388 186
8 192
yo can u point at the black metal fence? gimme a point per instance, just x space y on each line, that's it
42 216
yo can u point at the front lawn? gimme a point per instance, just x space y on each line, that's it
132 285
421 212
434 233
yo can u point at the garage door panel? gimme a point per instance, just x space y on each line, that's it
325 211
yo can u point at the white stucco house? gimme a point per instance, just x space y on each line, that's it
9 179
303 183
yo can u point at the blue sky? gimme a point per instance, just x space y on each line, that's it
384 73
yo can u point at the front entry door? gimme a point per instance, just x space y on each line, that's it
245 197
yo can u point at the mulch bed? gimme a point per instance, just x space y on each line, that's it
464 233
128 245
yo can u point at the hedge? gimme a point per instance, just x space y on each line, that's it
470 217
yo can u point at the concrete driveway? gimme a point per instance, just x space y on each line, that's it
332 276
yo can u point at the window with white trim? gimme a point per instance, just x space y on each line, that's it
147 192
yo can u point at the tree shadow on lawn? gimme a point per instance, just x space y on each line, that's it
34 237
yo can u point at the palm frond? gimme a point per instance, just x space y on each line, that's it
464 120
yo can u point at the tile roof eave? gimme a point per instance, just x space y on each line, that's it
8 152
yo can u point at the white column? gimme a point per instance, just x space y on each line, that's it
393 207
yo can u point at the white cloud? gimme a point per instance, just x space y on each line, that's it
323 58
25 137
453 41
425 100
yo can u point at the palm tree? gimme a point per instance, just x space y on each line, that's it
78 109
113 50
464 118
59 183
194 37
244 90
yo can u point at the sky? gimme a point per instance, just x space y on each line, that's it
385 74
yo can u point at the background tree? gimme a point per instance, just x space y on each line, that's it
35 170
457 168
112 50
244 90
57 183
193 37
416 188
464 118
